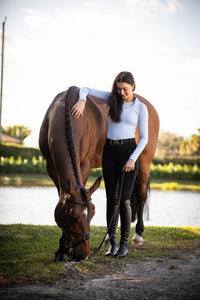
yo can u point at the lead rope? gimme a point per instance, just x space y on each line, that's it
115 213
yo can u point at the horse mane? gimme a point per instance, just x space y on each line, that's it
70 141
69 136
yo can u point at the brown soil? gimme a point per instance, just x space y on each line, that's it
161 279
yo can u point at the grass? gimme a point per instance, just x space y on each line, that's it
27 251
44 180
177 185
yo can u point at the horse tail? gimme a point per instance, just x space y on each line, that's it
147 202
136 201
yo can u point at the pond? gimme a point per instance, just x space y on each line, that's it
35 205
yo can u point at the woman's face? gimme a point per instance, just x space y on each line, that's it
125 90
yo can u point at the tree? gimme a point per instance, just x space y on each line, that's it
168 144
18 131
191 146
185 147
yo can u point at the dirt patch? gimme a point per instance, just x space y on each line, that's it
164 278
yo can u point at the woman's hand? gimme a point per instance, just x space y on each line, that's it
78 109
129 166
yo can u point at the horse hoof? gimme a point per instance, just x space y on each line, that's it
61 257
137 240
57 258
65 257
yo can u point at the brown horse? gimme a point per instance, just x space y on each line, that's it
141 187
71 148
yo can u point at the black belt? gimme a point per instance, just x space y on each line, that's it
120 142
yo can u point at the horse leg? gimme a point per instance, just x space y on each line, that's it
142 196
63 250
142 189
52 173
85 170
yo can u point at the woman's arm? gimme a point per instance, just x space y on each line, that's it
85 91
143 126
79 107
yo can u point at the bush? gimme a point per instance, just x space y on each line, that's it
175 171
19 151
177 160
38 165
23 165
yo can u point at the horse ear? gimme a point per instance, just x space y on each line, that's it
95 186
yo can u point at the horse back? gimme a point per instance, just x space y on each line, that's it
89 131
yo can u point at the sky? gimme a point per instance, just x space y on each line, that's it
53 44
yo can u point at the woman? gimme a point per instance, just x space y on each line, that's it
120 154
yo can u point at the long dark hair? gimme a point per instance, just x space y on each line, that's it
115 102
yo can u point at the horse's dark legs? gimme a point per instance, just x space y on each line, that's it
85 170
140 223
52 173
141 200
63 251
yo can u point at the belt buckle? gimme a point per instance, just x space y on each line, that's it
118 142
112 142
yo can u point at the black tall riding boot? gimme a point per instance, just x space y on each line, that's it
125 215
112 222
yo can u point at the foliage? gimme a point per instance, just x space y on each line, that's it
20 165
34 165
175 171
182 160
17 131
27 251
18 150
168 144
191 146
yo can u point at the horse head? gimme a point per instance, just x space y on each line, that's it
74 215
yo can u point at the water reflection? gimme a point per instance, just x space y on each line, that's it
35 205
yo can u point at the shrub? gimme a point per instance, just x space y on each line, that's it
175 171
38 165
19 151
177 160
20 165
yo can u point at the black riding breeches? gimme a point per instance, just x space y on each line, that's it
115 157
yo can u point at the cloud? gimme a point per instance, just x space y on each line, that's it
89 43
147 6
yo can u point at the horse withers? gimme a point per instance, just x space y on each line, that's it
71 148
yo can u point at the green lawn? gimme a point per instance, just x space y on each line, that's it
27 251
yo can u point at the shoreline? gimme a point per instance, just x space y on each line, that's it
22 180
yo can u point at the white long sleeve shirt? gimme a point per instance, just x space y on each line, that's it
133 113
